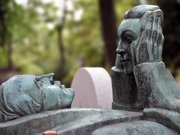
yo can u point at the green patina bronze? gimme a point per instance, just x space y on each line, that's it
28 94
140 78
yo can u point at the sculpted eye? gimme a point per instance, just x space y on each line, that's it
128 37
52 82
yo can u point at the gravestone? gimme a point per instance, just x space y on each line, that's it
93 88
140 82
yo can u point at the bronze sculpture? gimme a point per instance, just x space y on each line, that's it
23 95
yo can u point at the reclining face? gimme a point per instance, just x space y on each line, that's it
28 94
55 95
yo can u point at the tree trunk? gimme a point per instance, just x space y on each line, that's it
108 22
9 55
61 71
61 48
171 30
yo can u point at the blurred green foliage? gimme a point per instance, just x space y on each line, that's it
122 6
31 30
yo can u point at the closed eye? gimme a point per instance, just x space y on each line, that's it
128 39
52 82
128 36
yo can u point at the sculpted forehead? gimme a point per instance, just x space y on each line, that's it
131 25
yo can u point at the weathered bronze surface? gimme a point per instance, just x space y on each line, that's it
140 41
27 94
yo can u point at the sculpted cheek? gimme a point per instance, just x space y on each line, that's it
133 48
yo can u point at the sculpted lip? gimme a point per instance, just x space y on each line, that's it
125 60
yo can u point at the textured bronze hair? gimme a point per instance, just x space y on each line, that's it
139 11
151 18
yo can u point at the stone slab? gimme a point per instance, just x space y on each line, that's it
135 128
168 118
66 121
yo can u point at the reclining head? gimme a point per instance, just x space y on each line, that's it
27 94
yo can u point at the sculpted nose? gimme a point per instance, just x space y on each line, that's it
122 52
